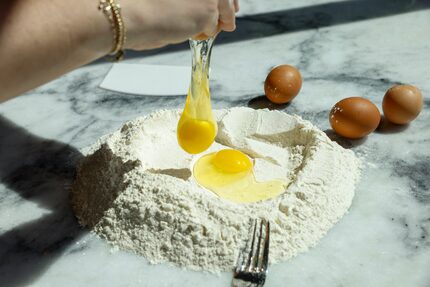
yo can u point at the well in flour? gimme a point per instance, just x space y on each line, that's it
135 189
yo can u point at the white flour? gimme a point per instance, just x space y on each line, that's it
135 189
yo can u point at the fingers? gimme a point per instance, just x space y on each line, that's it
236 5
224 19
211 28
227 19
203 36
200 37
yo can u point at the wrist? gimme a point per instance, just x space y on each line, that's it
94 38
142 21
135 22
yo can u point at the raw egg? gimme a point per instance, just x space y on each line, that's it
229 174
197 128
282 84
402 104
354 117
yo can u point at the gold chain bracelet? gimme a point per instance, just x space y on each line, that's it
112 10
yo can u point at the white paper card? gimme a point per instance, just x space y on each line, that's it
148 80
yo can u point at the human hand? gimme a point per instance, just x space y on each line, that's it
156 23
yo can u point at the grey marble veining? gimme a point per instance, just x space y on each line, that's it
342 48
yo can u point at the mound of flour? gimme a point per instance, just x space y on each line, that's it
135 189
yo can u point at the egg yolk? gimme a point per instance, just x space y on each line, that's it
196 132
232 161
229 174
195 136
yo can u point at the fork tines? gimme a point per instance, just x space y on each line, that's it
253 259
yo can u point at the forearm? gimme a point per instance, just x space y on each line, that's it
41 40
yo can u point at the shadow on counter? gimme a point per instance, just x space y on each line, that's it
344 142
387 127
40 171
304 18
261 102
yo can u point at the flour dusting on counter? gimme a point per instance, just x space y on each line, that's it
135 189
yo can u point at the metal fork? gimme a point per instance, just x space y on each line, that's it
251 268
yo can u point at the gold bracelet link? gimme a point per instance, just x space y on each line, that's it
112 10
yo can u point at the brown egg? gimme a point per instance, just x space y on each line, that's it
402 104
354 117
282 84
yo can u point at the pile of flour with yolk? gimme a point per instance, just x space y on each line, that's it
135 189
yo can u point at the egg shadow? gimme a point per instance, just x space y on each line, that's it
344 142
387 127
261 102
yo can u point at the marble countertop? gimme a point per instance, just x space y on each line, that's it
342 48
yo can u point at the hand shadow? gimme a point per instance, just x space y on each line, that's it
38 170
